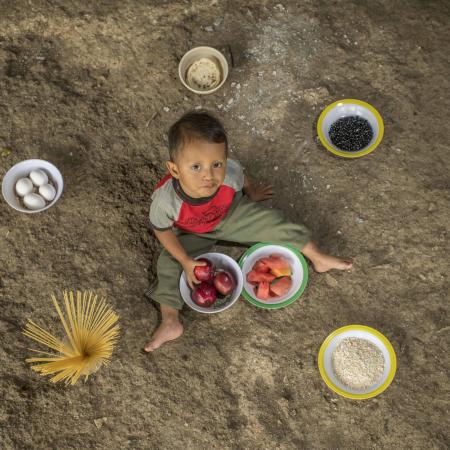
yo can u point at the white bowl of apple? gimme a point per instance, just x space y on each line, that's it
220 286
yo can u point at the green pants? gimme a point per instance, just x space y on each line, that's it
246 223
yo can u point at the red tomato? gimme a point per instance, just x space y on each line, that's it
278 262
261 266
281 286
256 277
262 290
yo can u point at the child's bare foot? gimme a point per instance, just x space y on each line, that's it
327 262
169 329
323 262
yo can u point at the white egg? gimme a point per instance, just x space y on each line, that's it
34 201
47 191
24 186
38 177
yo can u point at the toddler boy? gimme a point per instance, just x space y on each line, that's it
201 201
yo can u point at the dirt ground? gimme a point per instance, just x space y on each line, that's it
93 86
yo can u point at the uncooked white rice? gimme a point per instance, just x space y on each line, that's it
357 363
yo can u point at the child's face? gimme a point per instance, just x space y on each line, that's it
200 167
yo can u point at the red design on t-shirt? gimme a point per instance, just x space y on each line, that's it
163 180
204 218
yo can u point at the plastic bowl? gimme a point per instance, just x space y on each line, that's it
363 332
299 273
194 55
345 108
21 170
220 261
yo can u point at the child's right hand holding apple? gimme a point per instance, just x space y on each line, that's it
189 266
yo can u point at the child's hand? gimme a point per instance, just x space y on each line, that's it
259 192
188 267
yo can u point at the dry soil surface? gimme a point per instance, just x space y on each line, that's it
93 87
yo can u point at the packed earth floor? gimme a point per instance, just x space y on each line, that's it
93 86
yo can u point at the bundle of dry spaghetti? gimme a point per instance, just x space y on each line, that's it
89 341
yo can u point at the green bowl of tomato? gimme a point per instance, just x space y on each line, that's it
274 275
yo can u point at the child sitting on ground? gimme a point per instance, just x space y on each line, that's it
202 201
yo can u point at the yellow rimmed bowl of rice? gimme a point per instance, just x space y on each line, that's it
357 362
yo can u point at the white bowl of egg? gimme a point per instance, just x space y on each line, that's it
32 186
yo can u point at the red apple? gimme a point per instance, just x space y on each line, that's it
224 282
204 294
204 273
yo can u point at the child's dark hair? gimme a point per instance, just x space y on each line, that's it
195 125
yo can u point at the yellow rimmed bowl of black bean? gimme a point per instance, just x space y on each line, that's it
350 128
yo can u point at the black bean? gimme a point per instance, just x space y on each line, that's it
351 133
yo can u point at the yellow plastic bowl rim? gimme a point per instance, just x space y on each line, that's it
340 391
337 152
